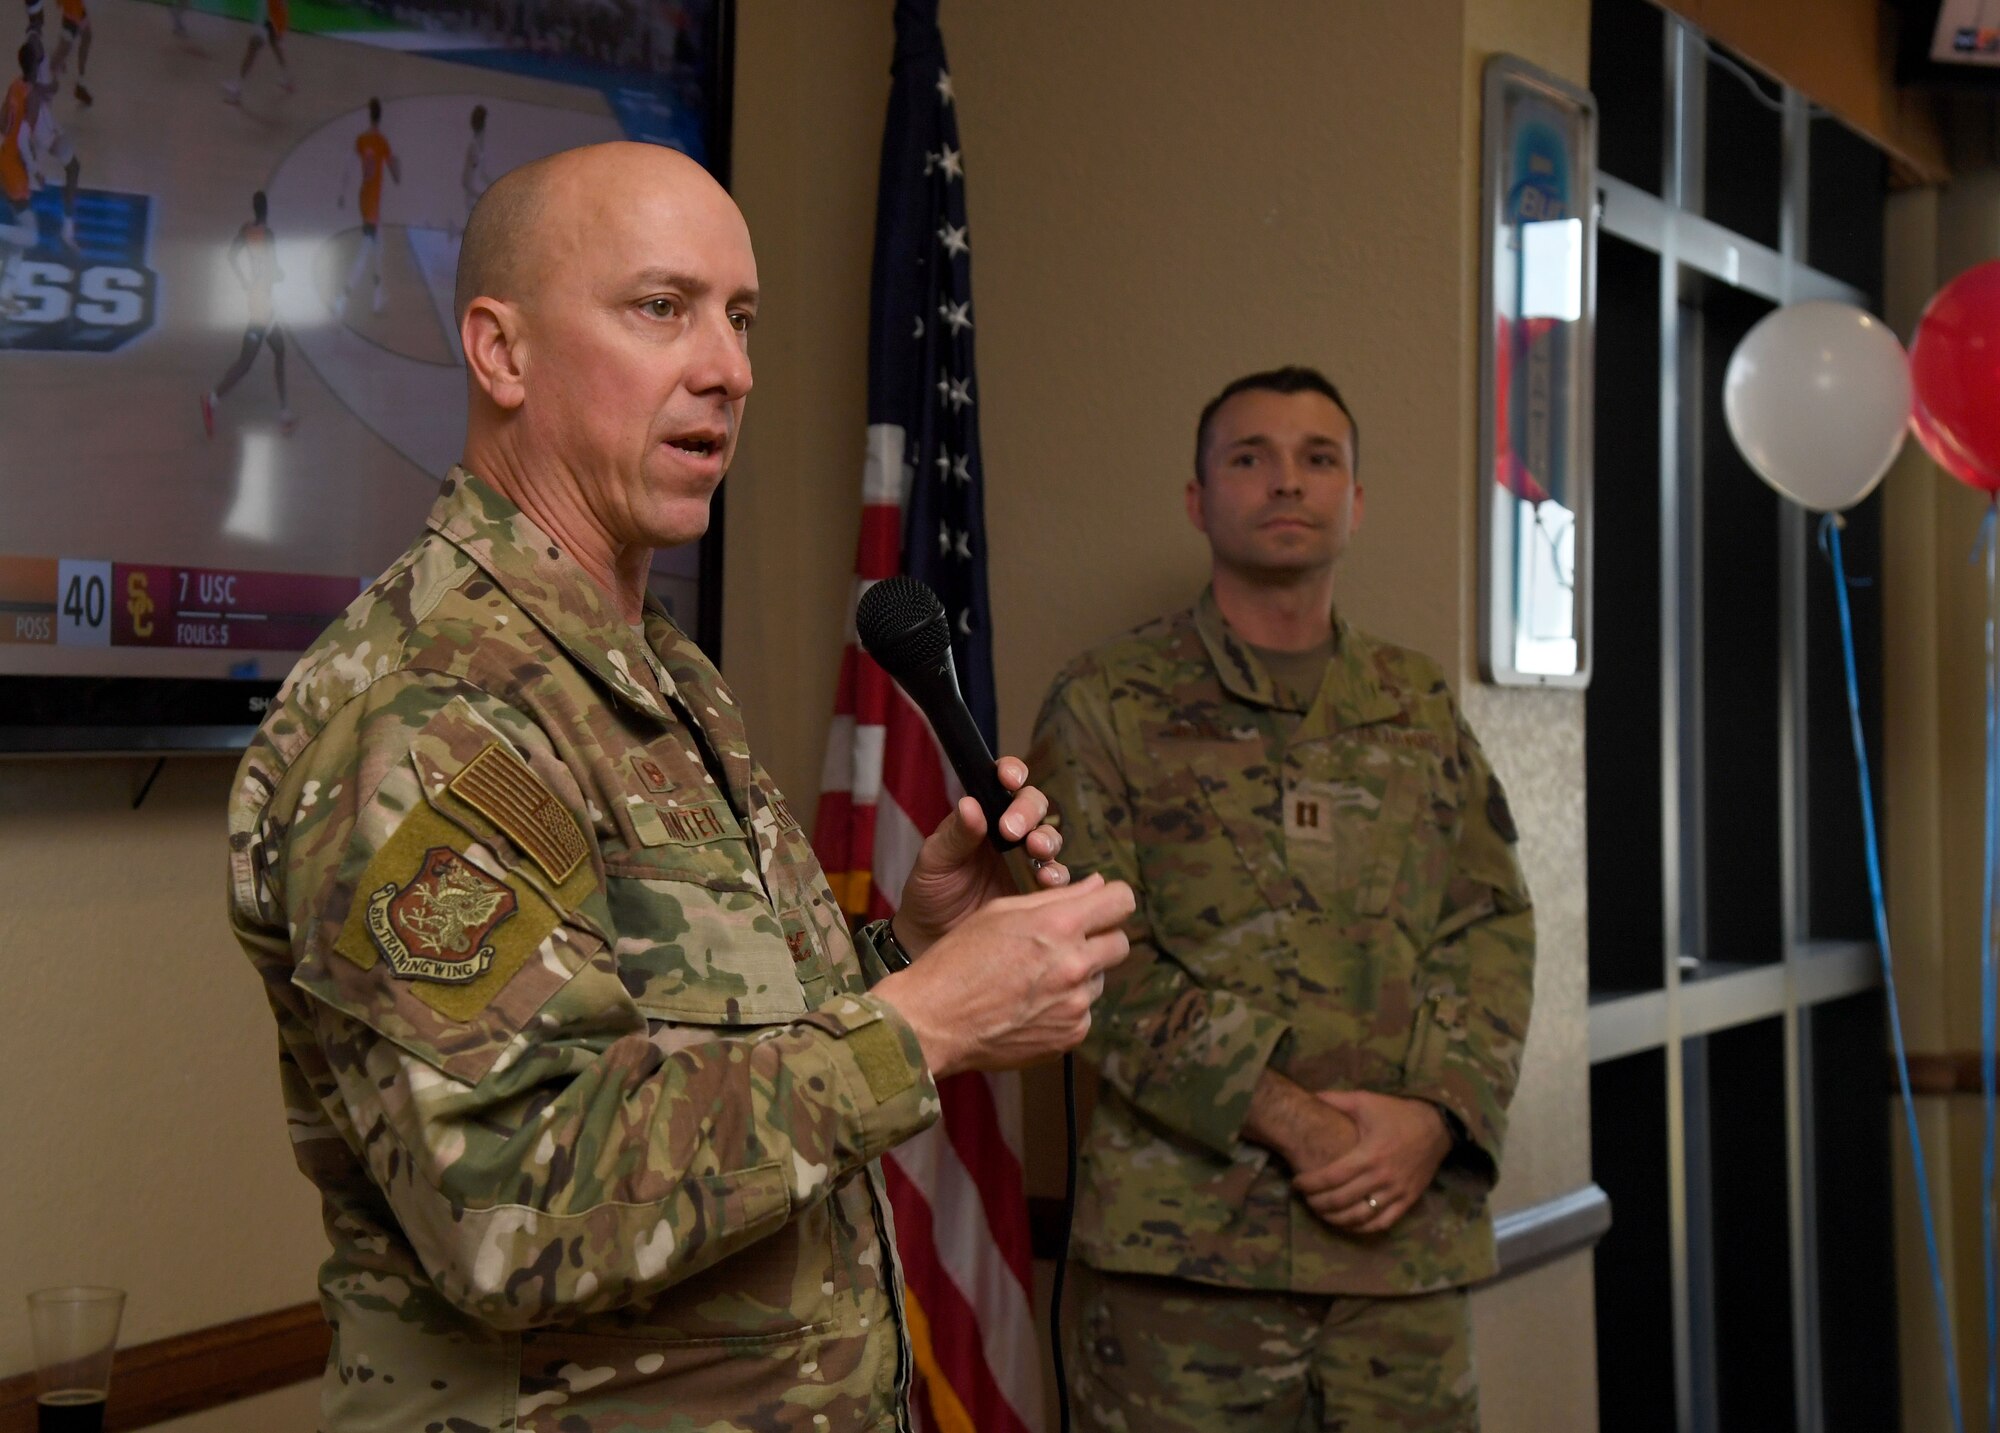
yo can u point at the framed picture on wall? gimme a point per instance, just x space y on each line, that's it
1538 288
230 375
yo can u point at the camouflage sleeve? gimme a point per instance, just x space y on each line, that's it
1186 1055
1476 980
546 1154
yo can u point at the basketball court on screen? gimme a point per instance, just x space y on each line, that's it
102 373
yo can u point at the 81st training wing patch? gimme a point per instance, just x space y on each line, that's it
441 920
435 926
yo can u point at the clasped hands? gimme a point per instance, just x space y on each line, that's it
1397 1146
1359 1159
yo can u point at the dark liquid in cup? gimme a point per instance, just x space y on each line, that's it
70 1410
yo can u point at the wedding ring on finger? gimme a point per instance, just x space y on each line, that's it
1374 1205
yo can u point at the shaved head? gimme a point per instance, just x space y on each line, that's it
605 297
500 227
506 233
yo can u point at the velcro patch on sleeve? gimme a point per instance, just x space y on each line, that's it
499 786
883 1064
442 923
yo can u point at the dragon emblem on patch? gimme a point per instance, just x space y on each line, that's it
436 925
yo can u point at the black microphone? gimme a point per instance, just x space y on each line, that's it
902 625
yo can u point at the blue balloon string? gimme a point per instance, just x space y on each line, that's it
1989 986
1830 541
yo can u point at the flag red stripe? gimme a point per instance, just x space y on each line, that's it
874 692
912 766
972 1124
954 1322
881 553
850 669
833 832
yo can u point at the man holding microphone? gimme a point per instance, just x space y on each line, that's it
574 1038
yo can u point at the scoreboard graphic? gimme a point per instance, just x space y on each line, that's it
95 296
87 602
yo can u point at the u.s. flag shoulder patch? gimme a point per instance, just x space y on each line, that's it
499 786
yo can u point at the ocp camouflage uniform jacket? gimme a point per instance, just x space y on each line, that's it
573 1038
1334 895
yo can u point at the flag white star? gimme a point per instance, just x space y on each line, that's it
920 327
943 464
960 472
950 163
945 94
964 546
958 316
961 393
965 623
944 388
944 539
953 238
930 164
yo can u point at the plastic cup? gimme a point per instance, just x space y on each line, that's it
75 1331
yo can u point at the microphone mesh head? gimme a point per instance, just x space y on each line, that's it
902 625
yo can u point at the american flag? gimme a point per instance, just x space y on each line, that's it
957 1192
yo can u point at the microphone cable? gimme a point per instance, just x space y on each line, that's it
1062 1246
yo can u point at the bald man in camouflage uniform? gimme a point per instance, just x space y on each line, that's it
1305 1066
574 1040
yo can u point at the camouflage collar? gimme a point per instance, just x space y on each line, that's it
1351 695
549 587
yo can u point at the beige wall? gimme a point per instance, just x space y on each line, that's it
811 82
145 1141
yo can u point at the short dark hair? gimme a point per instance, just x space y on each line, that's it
25 57
1292 378
259 205
374 111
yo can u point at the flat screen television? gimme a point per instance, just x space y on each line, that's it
1949 43
164 562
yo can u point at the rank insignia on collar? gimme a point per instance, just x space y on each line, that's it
435 926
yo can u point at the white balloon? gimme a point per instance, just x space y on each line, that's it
1818 399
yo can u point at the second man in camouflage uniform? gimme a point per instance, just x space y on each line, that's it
1306 1064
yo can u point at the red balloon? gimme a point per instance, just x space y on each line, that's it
1950 455
1955 369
